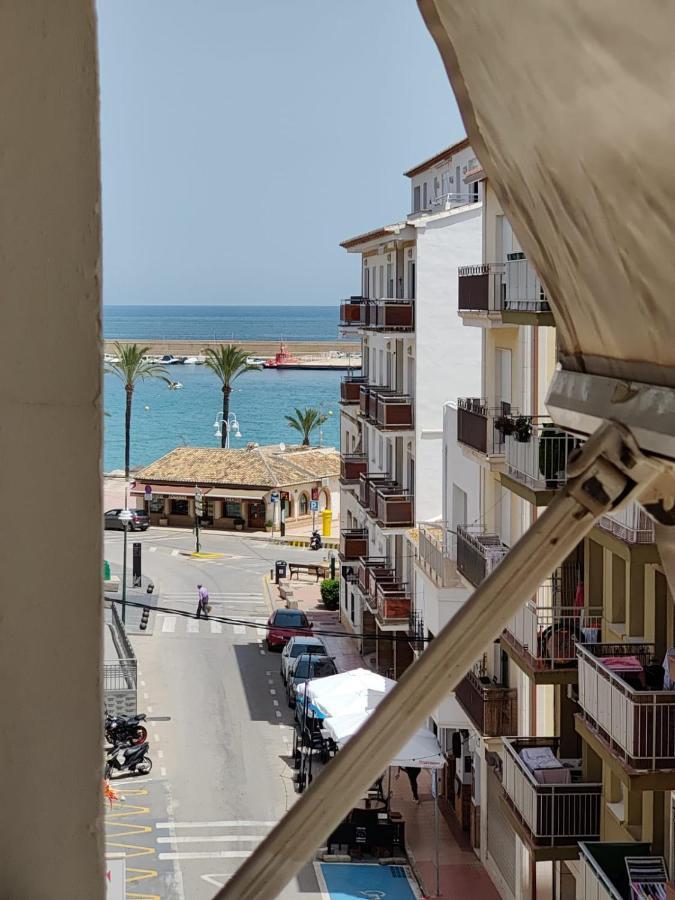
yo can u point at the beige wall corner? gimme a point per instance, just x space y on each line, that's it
50 447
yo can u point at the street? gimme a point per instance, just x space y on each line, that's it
219 726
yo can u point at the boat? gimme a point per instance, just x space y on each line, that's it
256 362
194 360
285 360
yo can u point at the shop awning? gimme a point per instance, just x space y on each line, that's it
170 490
222 493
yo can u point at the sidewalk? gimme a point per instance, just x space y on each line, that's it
462 876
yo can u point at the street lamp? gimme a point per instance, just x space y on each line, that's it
324 417
228 424
125 517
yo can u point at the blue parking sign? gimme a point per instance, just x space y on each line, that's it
313 505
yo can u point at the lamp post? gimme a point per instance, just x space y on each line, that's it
199 511
322 420
125 517
227 424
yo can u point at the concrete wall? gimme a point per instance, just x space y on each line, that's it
447 354
50 442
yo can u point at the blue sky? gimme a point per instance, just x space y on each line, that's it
242 141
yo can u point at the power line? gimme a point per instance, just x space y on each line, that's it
229 620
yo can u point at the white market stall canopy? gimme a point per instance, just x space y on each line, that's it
421 750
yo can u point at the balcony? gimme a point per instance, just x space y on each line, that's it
631 525
626 713
416 632
548 798
393 411
478 552
390 315
606 867
476 425
525 302
394 507
536 454
368 484
435 557
353 544
490 706
393 603
480 290
352 312
543 636
367 563
352 467
350 387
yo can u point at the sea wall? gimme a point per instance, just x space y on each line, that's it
255 348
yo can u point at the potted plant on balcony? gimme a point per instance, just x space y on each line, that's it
505 425
522 429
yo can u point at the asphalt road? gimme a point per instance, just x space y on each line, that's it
221 744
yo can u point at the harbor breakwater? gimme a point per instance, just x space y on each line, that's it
254 348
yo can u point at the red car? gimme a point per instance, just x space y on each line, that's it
284 624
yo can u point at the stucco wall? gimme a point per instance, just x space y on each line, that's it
50 441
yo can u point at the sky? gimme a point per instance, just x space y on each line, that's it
242 141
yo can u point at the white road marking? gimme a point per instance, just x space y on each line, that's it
162 771
192 626
216 628
152 549
212 879
277 713
209 838
175 552
146 696
142 684
156 738
220 854
149 709
275 702
239 629
169 623
272 692
262 653
233 823
160 754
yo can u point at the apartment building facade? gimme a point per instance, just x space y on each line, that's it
566 762
414 355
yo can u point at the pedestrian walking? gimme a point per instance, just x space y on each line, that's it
413 774
202 602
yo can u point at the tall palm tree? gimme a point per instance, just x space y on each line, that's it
131 366
227 362
305 421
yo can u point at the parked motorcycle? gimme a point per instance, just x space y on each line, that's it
315 542
127 760
125 729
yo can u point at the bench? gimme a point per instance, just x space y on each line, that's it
310 568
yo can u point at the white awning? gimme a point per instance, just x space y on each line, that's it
223 493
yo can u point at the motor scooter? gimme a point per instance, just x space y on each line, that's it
315 542
127 760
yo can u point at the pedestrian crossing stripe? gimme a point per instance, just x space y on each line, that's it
193 626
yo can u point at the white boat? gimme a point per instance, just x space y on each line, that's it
195 360
256 362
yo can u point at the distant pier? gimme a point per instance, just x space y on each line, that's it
253 348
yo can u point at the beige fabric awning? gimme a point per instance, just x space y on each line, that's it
218 493
169 490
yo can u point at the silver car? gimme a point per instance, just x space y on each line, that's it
297 645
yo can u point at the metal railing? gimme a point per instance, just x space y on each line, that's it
393 601
120 675
547 634
555 814
352 466
476 424
631 524
349 388
490 706
392 410
394 507
354 543
480 288
450 200
435 556
416 632
541 461
478 552
637 723
524 291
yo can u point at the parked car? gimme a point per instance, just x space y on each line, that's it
283 624
138 522
304 668
296 646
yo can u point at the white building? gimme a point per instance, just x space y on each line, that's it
416 356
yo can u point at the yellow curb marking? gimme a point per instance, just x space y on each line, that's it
115 819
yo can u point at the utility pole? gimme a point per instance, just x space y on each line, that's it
199 511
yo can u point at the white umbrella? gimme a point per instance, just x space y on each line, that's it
348 692
421 750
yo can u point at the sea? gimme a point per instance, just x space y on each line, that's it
163 419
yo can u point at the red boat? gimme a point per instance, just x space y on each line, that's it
282 359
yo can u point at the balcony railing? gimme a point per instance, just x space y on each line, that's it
480 288
476 424
352 312
546 634
352 466
393 412
604 871
555 814
364 566
393 602
490 706
478 552
416 632
524 291
368 484
540 462
621 696
391 315
353 544
435 557
631 525
349 388
394 507
448 201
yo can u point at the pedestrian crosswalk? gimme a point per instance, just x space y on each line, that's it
197 840
185 625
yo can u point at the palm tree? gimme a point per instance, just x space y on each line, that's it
131 366
305 421
227 362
